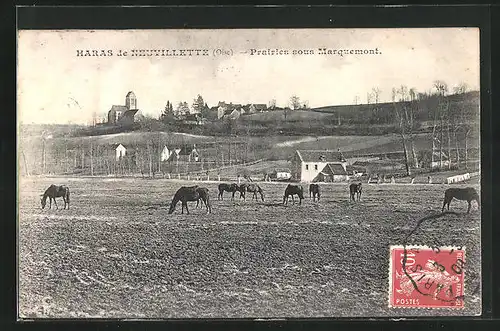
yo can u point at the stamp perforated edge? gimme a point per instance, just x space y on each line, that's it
391 247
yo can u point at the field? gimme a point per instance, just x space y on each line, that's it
117 253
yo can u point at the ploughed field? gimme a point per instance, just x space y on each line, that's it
118 253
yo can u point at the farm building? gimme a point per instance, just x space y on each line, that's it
427 160
319 165
229 110
258 108
378 167
332 172
184 154
120 150
166 153
281 174
120 114
194 119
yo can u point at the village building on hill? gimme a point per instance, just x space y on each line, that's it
229 110
257 108
124 114
234 111
183 154
319 166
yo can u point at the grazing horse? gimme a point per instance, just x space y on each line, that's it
291 190
252 188
232 188
54 192
189 193
205 198
355 189
242 189
468 193
314 191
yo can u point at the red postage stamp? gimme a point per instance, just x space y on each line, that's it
424 277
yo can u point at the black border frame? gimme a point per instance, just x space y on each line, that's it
107 17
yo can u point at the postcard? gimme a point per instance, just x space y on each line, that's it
249 173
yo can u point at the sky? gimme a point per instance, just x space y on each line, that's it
56 86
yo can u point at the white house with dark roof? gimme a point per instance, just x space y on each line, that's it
319 166
120 151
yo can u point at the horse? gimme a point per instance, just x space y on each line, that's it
355 189
189 193
205 198
54 192
314 191
291 190
468 193
232 188
252 188
242 189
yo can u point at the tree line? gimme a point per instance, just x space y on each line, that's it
451 126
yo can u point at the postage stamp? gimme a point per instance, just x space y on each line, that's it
425 277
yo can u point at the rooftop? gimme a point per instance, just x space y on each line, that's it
320 156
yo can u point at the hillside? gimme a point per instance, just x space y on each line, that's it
292 116
469 100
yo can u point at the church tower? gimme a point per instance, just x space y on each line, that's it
131 101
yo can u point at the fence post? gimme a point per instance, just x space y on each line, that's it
178 175
219 177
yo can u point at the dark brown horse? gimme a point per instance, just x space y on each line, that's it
54 192
314 191
232 188
355 189
189 193
242 189
469 194
205 198
252 188
292 190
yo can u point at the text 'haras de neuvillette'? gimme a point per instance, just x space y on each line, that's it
143 52
221 52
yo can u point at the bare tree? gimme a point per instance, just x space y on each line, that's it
150 158
441 87
413 106
441 114
461 88
376 94
369 97
91 159
394 94
413 94
295 102
404 117
272 104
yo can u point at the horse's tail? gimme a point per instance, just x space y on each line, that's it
67 194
